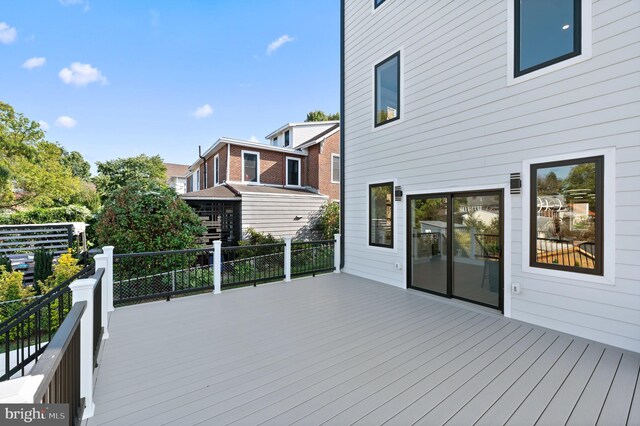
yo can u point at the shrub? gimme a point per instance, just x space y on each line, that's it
11 289
71 213
66 268
43 259
329 219
6 262
154 218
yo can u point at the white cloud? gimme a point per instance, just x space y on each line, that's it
66 122
275 45
7 34
80 74
44 125
203 111
253 139
35 62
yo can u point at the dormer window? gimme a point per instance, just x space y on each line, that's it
286 138
274 141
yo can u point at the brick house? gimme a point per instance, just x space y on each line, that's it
237 184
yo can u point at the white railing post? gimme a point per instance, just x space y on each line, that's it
108 250
287 259
217 267
336 253
102 261
83 291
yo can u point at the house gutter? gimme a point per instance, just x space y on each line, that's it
342 131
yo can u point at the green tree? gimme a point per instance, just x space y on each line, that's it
152 218
318 115
32 170
142 171
80 168
329 219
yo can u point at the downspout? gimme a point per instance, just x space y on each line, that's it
342 200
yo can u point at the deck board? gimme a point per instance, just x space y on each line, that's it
338 349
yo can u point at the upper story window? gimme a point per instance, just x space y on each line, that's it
216 170
377 3
197 180
381 215
250 166
546 32
286 138
274 141
387 90
567 215
293 171
335 168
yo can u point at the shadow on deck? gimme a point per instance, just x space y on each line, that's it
341 350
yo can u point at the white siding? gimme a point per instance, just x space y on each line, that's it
301 134
462 126
275 214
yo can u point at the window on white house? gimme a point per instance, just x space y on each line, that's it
293 171
566 216
335 168
546 32
381 215
250 167
216 170
274 141
387 90
286 138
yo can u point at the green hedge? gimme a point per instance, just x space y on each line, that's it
72 213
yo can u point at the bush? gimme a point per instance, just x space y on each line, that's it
66 268
154 218
329 219
6 262
43 259
11 289
71 213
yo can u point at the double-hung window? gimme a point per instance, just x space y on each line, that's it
250 166
387 90
546 32
293 171
335 168
381 215
286 138
566 215
216 170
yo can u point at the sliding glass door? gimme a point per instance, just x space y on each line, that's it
455 245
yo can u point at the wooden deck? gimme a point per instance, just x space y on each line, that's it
339 350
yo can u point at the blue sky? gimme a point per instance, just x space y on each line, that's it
121 78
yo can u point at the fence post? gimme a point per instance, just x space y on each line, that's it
83 291
102 261
287 259
217 267
336 253
108 250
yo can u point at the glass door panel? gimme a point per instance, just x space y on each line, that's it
476 247
428 239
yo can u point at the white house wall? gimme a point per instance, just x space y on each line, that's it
461 126
275 214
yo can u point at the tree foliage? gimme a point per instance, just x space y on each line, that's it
318 115
151 218
329 219
80 168
33 172
143 171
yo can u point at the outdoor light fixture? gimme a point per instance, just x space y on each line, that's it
297 218
398 193
565 26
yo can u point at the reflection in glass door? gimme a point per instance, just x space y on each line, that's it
429 243
455 245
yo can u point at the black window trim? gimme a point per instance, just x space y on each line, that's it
375 91
533 214
392 239
577 41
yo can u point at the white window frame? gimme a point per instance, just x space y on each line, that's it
334 157
286 176
586 45
257 154
394 216
196 185
372 115
216 170
608 225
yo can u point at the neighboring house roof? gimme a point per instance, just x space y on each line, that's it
220 192
306 123
246 144
176 170
266 189
320 137
227 191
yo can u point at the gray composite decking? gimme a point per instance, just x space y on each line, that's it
339 350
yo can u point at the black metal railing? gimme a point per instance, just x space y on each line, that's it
311 258
24 336
251 265
487 246
97 315
161 275
60 366
566 253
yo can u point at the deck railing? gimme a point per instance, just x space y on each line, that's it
251 265
311 258
565 253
